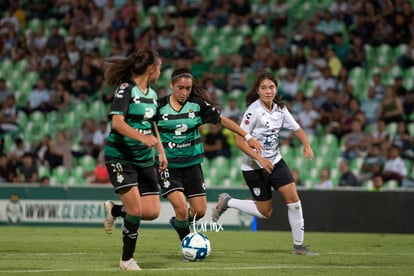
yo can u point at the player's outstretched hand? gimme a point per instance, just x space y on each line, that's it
308 153
254 144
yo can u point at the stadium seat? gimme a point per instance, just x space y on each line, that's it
77 174
87 162
59 176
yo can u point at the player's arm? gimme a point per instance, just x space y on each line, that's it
307 149
162 158
251 142
244 147
120 126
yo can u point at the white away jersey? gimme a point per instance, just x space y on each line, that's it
265 126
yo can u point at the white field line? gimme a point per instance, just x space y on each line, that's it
273 267
215 252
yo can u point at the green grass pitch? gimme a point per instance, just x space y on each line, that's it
29 250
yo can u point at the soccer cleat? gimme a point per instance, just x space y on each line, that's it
131 264
221 206
109 222
303 250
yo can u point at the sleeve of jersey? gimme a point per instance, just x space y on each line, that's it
248 121
121 100
290 122
209 113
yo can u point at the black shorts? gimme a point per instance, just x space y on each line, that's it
189 180
260 182
128 175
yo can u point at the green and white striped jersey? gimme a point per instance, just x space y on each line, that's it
139 110
179 130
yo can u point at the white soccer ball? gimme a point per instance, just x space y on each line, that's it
195 246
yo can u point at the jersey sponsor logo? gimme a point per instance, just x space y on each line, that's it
149 113
180 129
144 131
257 191
172 145
271 142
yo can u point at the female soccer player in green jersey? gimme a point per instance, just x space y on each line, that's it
128 150
179 117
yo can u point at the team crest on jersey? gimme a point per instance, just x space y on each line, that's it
256 191
191 114
166 184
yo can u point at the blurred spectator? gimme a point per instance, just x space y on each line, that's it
394 167
370 107
379 135
41 149
356 54
280 51
297 62
55 40
343 83
59 152
377 86
351 113
88 129
247 49
61 98
289 83
391 108
100 173
199 67
315 63
262 13
218 72
5 91
39 98
9 116
297 104
372 164
328 25
404 141
187 8
296 177
356 142
399 88
215 143
237 76
99 138
240 13
406 59
17 150
325 182
347 178
232 111
26 171
48 72
309 118
334 63
7 170
330 113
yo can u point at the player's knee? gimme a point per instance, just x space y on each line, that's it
265 212
151 215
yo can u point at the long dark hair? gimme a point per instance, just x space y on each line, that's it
252 94
197 89
118 70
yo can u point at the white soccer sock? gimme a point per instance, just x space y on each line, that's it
246 206
296 222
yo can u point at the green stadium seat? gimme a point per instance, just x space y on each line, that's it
59 176
87 162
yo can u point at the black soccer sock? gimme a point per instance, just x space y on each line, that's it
130 236
182 227
118 211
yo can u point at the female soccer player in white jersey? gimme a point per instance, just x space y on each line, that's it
265 116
